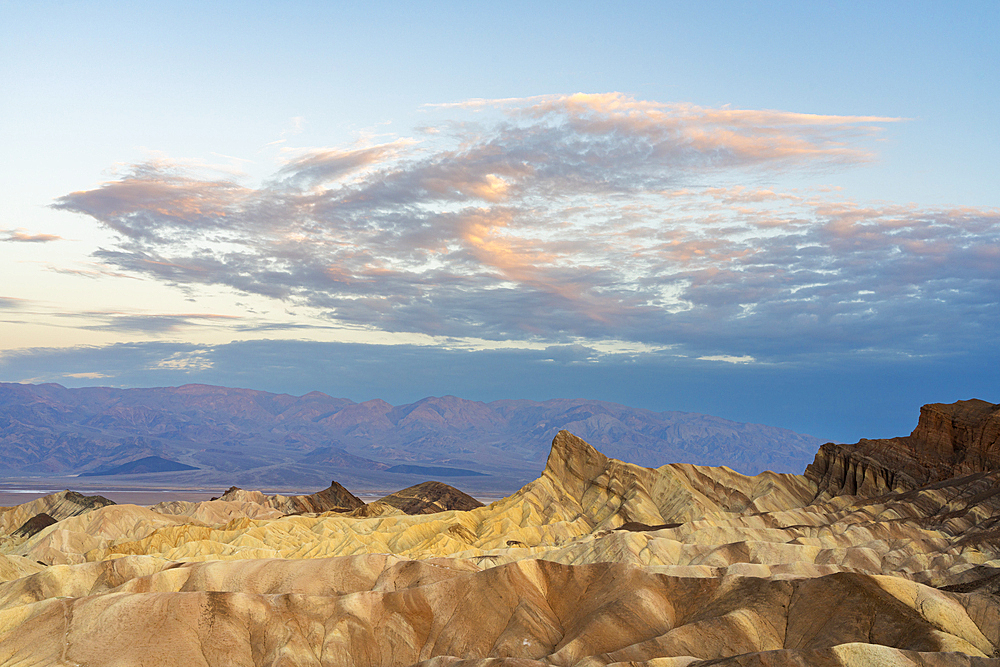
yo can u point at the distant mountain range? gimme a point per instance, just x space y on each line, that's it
256 439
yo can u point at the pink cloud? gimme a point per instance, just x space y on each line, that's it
20 236
566 216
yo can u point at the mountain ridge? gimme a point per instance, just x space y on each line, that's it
253 438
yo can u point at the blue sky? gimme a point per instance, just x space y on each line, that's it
784 214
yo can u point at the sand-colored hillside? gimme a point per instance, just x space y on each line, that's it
597 562
383 610
60 505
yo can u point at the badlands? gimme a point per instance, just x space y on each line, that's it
886 552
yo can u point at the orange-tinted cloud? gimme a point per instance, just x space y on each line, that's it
21 236
568 217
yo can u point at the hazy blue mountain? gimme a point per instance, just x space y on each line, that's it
254 438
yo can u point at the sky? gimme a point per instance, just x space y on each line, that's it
780 213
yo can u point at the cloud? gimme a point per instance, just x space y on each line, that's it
574 219
745 359
20 236
146 323
153 324
96 272
11 303
187 361
314 168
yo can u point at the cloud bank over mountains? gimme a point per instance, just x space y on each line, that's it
580 218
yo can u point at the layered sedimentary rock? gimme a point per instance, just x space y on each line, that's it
334 498
238 503
950 440
597 562
429 498
379 610
34 525
59 506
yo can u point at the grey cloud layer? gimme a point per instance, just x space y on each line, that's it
149 324
563 218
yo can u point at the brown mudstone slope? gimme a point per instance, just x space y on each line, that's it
34 525
597 562
430 497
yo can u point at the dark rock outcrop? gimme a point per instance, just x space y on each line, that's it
950 440
34 525
637 527
77 503
431 497
334 497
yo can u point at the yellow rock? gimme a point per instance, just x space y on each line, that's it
597 562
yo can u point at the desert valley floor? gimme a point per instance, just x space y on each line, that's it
886 552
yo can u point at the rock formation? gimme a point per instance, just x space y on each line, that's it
597 562
238 503
950 440
430 497
34 525
59 506
334 498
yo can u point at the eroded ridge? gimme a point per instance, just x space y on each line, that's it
596 562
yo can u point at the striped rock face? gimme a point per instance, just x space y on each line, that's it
597 562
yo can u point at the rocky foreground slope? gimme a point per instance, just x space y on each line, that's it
596 562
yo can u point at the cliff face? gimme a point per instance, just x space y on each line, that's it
959 438
950 440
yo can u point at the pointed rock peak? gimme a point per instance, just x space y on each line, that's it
87 502
230 493
429 498
573 454
334 496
